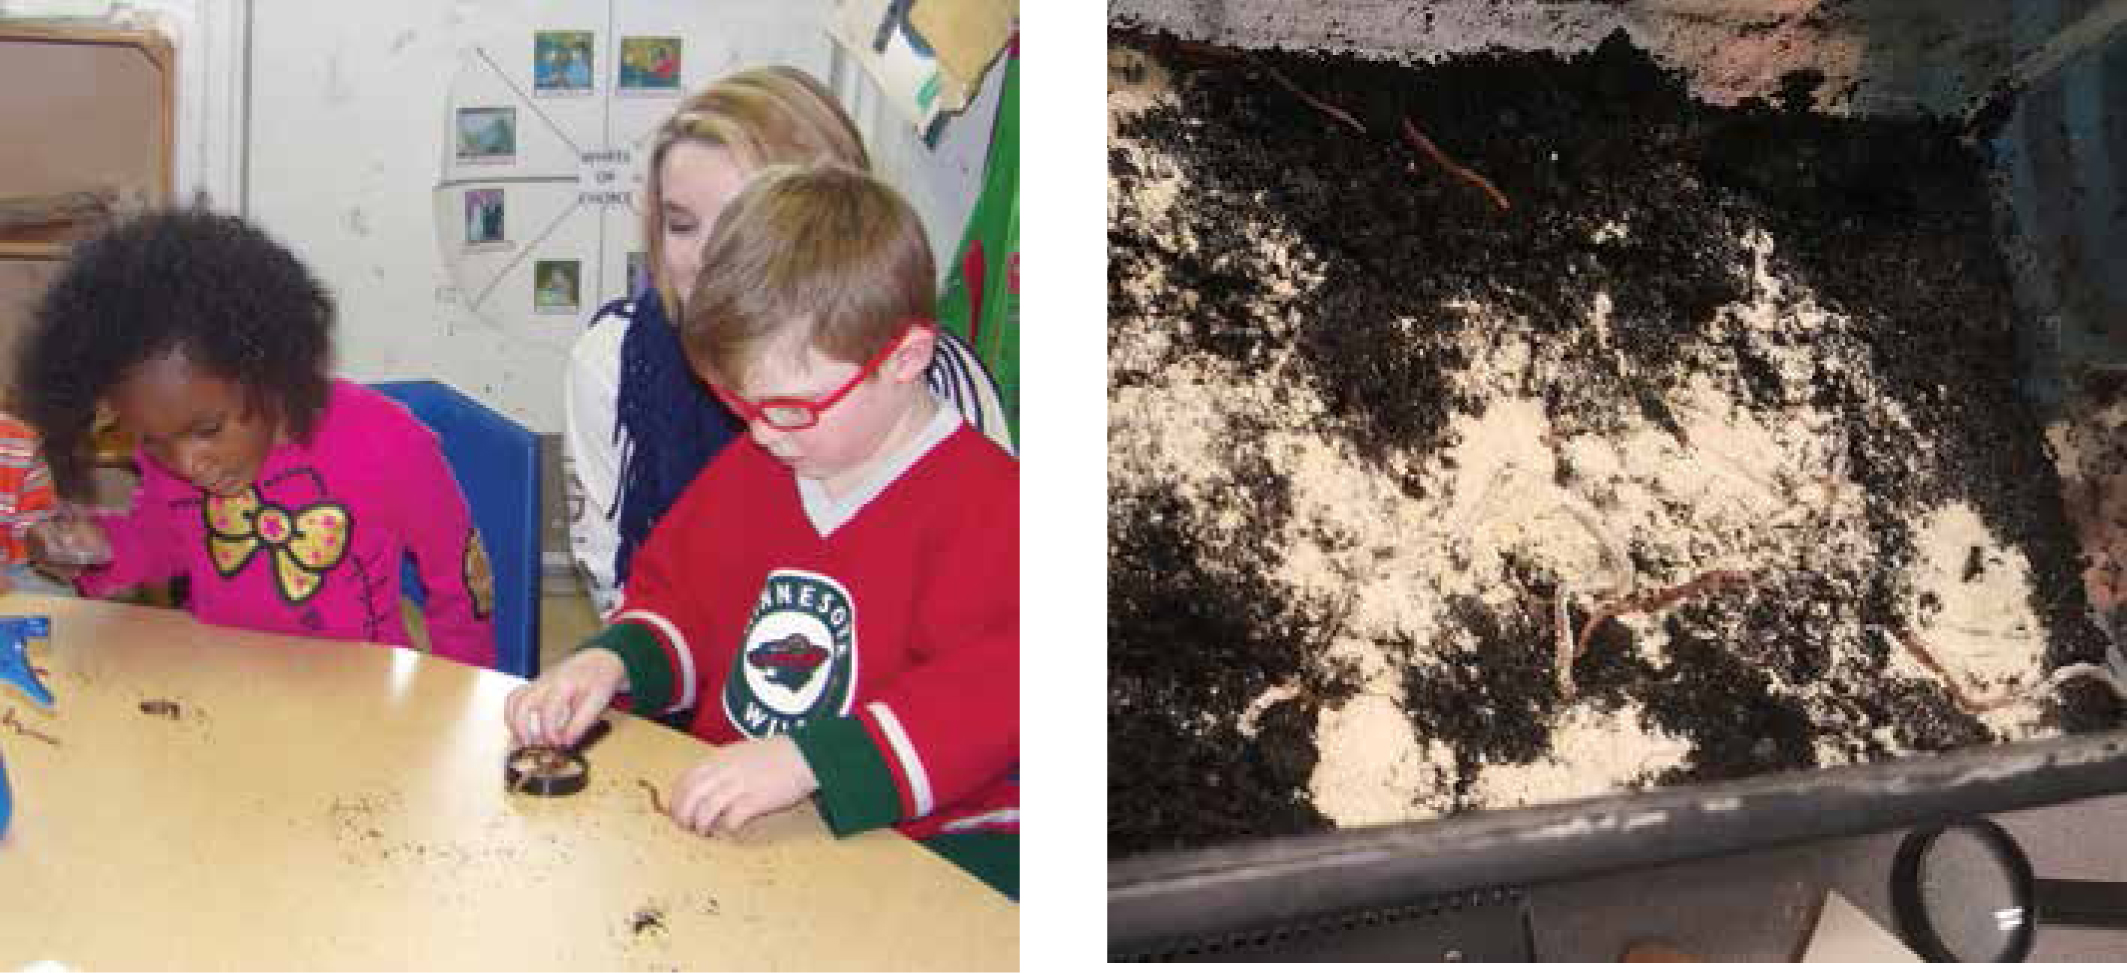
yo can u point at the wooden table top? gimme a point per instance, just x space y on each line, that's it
331 805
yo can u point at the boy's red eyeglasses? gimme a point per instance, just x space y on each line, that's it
790 413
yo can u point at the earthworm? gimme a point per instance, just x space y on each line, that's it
657 803
17 726
1625 576
2073 671
2053 681
1200 50
1658 599
1334 625
1323 106
1562 629
1911 643
1417 138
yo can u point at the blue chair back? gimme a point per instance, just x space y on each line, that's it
496 462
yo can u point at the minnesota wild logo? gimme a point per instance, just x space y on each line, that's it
798 657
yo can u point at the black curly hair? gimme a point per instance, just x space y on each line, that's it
211 287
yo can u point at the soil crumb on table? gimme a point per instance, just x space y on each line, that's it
1723 412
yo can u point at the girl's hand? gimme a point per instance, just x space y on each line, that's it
742 782
64 546
558 707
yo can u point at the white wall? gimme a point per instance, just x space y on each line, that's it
348 108
326 122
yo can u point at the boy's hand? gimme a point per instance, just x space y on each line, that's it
742 782
558 707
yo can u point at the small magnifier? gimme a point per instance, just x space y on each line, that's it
1964 892
71 538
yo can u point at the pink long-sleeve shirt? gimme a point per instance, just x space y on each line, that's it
314 547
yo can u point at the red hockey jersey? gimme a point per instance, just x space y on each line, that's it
880 631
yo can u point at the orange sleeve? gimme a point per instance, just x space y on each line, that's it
25 487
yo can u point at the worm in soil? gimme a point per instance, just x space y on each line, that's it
1320 105
1658 599
1417 138
1562 627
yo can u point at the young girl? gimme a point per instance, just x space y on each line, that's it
640 425
287 498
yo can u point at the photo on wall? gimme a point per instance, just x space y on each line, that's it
649 64
557 284
562 62
487 135
485 216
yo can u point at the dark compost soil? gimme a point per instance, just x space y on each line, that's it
1886 221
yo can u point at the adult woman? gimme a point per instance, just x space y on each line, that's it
640 426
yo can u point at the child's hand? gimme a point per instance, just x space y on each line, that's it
64 546
742 782
556 709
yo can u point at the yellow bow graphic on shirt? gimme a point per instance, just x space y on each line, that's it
479 576
305 544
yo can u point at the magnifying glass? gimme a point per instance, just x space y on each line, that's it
1964 892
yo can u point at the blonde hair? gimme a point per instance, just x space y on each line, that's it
762 116
820 253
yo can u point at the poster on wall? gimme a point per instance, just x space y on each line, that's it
564 62
487 136
649 65
538 207
560 287
485 220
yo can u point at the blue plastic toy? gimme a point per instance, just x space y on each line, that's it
15 633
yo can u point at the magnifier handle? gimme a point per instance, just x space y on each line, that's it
2074 902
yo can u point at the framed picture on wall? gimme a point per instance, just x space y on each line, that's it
487 135
557 286
649 65
485 219
562 62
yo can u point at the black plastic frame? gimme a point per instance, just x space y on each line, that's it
1908 904
1228 889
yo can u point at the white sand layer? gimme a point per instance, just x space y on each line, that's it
1742 490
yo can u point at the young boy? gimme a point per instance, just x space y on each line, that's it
837 599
